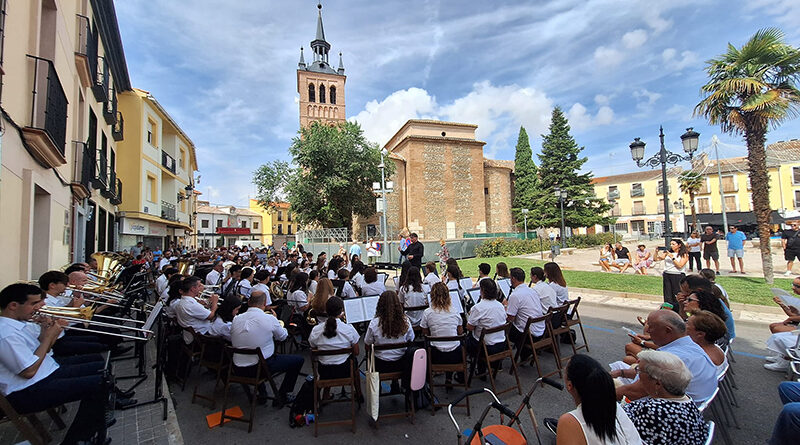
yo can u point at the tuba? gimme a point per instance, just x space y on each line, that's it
186 266
276 291
109 266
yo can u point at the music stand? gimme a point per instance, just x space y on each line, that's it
155 318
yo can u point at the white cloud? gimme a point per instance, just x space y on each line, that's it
602 99
634 39
608 57
652 16
580 119
646 99
674 62
681 112
784 11
380 120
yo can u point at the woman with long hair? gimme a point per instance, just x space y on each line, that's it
555 278
313 281
390 326
501 271
439 321
675 265
451 278
320 298
411 294
597 418
298 293
357 275
606 257
335 334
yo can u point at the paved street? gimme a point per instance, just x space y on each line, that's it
757 395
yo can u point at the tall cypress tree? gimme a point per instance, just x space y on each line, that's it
525 177
559 166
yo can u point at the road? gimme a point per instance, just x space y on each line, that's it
757 394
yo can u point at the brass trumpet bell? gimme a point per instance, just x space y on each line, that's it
84 313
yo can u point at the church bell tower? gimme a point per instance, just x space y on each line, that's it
321 87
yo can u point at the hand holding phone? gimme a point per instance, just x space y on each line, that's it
629 331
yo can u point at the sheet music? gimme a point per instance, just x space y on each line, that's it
370 302
151 318
382 277
786 298
396 281
354 310
474 295
455 302
466 283
505 286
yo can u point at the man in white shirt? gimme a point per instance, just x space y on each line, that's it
258 329
31 379
165 260
546 293
261 279
214 278
484 270
523 303
191 314
161 281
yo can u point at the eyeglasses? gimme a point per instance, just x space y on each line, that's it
795 285
693 299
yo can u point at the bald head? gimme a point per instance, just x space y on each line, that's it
665 326
257 299
78 278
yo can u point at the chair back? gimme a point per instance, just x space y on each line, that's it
702 406
710 428
573 310
548 328
317 353
261 369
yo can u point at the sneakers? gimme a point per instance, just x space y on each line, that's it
773 358
788 273
780 365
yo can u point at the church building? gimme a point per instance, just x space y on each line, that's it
444 187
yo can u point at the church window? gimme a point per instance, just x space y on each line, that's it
311 97
335 112
333 95
321 93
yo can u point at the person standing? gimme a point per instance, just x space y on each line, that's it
736 240
372 251
404 242
675 265
694 243
443 254
791 246
415 251
355 250
709 246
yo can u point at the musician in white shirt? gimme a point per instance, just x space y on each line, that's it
243 287
161 281
488 313
298 293
372 286
331 335
431 278
440 321
257 329
261 279
523 303
347 290
390 326
412 295
546 293
191 314
214 278
484 269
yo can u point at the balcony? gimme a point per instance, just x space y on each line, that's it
100 171
109 191
110 107
613 194
168 211
100 85
637 192
117 198
82 173
117 132
167 161
639 211
615 212
86 51
46 132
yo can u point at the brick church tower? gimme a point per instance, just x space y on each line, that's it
320 86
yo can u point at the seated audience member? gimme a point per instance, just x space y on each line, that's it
793 313
668 332
787 426
705 328
439 321
698 293
191 314
622 257
430 274
372 286
390 326
334 334
644 259
606 257
258 329
31 380
598 419
546 293
523 303
411 294
777 345
486 314
668 416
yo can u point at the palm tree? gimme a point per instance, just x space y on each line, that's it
751 89
690 182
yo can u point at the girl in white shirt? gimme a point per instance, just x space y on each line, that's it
439 321
451 278
431 278
243 287
356 276
371 284
556 281
298 293
313 279
334 334
488 313
411 295
390 326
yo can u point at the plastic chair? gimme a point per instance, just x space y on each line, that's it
437 368
263 375
547 341
496 358
715 412
710 437
320 384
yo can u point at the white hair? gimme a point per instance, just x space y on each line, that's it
666 368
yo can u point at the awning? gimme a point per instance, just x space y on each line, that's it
734 218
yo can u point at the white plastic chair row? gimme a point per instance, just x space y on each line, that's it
715 412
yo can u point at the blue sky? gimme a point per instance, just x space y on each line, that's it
619 69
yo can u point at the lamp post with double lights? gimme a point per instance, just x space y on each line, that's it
662 158
525 212
383 187
562 196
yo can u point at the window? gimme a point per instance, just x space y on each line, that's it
255 225
289 216
321 93
219 223
703 205
152 190
182 198
796 175
730 204
797 199
660 188
288 229
621 227
613 192
661 205
182 158
651 226
638 208
204 224
637 190
729 184
615 209
152 132
280 215
749 186
311 96
244 224
333 95
637 226
280 229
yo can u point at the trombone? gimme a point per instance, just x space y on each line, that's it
84 315
101 302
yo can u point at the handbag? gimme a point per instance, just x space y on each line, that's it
373 382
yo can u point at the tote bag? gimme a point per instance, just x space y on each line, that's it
373 387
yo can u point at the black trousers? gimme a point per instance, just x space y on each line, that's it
446 358
69 345
672 285
77 378
474 351
694 258
518 340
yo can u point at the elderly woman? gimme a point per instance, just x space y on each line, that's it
668 416
705 328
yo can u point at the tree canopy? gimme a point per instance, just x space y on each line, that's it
525 177
271 180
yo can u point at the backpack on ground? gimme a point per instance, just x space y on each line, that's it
303 403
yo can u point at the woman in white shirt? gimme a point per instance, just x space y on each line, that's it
675 265
298 293
320 298
488 313
694 244
431 278
335 334
333 267
371 284
243 287
439 321
451 278
356 275
411 295
390 326
313 281
556 281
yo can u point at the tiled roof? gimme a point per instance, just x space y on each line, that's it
642 176
498 163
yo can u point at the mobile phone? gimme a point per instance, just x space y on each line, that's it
662 248
629 331
491 439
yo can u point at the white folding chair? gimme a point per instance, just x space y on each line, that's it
715 412
710 427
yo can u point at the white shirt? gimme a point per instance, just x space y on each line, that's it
431 279
626 430
374 336
410 298
358 279
312 287
298 299
669 264
346 336
562 294
161 283
244 287
374 288
263 288
164 261
693 244
332 275
191 314
18 342
488 314
169 310
547 294
255 329
524 303
441 324
213 278
59 301
348 291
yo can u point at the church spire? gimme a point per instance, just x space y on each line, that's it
341 65
320 30
302 63
319 45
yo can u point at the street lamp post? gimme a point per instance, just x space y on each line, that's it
562 196
525 212
613 203
662 158
383 188
679 205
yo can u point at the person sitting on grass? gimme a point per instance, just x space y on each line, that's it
622 258
606 257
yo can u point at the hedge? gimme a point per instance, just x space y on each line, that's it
510 247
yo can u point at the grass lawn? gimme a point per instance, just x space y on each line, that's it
750 290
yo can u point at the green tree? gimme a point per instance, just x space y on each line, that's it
525 177
691 182
559 166
271 180
751 89
336 167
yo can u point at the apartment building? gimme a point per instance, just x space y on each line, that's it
156 163
224 225
62 67
279 224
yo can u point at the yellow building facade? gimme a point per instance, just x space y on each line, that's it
278 222
157 162
62 68
638 202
